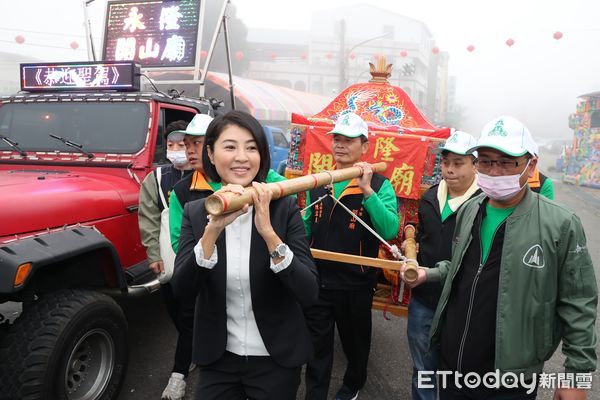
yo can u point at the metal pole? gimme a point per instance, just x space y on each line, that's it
199 46
227 53
88 31
212 47
344 53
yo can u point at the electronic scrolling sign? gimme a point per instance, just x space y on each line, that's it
155 33
75 76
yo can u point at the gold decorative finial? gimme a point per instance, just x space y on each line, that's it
382 72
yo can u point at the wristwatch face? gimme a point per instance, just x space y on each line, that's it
279 251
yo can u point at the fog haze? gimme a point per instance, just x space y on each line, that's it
536 80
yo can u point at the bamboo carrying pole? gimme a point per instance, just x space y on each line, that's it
410 251
356 260
226 202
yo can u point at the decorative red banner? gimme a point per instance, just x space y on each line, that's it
404 155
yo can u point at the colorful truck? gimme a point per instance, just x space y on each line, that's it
581 160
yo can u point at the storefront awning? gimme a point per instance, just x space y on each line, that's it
267 102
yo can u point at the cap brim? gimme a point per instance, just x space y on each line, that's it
176 136
441 149
334 132
499 148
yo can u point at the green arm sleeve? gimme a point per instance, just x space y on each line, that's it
577 300
273 176
175 217
149 217
383 210
547 189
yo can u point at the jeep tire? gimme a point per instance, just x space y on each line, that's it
69 344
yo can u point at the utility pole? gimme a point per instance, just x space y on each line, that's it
345 53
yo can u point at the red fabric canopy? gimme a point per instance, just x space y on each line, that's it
384 107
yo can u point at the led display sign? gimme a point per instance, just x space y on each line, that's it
80 76
155 33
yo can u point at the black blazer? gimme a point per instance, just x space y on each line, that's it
277 298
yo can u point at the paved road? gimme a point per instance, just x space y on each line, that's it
152 336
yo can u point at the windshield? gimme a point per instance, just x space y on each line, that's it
98 127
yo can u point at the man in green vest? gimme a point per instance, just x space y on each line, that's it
346 291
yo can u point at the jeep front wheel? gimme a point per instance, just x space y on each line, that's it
67 345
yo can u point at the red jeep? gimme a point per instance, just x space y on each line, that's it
73 151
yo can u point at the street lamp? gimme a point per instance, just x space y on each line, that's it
344 53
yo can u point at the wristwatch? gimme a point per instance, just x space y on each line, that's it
279 251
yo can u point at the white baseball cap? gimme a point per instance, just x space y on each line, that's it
508 135
196 127
350 125
459 142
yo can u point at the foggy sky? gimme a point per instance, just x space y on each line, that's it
537 80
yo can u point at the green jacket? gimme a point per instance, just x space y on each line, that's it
547 290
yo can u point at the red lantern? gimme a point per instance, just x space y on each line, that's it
239 55
403 53
470 48
19 39
329 56
510 42
352 56
273 56
203 54
557 35
74 45
435 50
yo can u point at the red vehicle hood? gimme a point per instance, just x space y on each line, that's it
35 200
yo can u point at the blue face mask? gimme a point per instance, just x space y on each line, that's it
501 187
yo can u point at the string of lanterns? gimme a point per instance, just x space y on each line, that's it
509 42
20 39
239 55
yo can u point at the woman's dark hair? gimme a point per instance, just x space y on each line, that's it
244 121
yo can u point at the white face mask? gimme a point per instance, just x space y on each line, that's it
178 158
501 187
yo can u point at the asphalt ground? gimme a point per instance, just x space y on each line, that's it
152 335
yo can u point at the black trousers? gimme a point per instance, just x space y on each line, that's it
350 311
182 315
235 377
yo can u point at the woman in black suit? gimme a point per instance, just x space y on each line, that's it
251 273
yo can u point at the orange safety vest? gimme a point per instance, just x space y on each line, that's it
534 182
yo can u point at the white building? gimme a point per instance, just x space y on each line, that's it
336 51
